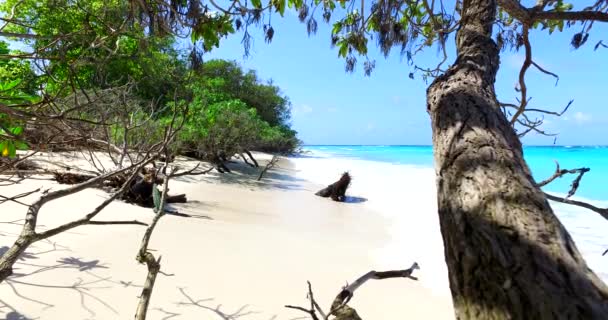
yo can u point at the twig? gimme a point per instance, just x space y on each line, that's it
559 173
268 166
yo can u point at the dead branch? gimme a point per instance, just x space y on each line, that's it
339 307
573 188
559 173
269 166
29 235
144 256
602 211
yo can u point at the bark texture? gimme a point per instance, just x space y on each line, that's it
508 255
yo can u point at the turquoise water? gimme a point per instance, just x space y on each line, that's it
540 159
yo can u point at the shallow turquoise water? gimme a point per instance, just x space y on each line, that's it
541 161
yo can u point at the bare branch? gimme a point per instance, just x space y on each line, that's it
522 74
602 211
339 305
268 166
559 173
541 69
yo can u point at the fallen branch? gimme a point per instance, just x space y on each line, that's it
268 166
29 235
339 307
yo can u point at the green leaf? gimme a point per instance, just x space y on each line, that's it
343 49
257 3
9 85
337 27
12 151
16 130
280 6
20 145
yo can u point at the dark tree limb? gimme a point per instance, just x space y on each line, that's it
246 161
255 162
268 166
559 173
573 188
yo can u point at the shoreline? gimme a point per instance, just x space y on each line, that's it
260 244
412 187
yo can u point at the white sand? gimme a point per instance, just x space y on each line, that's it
254 255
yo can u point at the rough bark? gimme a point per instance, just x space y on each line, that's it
508 255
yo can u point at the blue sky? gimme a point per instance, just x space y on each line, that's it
333 107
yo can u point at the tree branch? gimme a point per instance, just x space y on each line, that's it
528 16
602 211
339 307
144 256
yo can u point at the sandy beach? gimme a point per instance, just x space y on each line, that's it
248 252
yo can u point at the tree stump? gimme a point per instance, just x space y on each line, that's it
337 190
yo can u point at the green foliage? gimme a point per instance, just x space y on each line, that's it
15 90
223 80
91 47
231 111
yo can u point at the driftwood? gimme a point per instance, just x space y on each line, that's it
140 190
340 309
337 190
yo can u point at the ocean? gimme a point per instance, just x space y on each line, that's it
540 159
399 183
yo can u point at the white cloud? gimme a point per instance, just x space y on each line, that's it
301 110
580 117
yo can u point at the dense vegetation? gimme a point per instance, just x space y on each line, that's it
133 82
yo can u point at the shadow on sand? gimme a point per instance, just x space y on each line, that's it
278 177
84 286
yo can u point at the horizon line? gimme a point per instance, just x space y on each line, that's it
430 145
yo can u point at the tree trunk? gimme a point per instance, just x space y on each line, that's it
508 255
